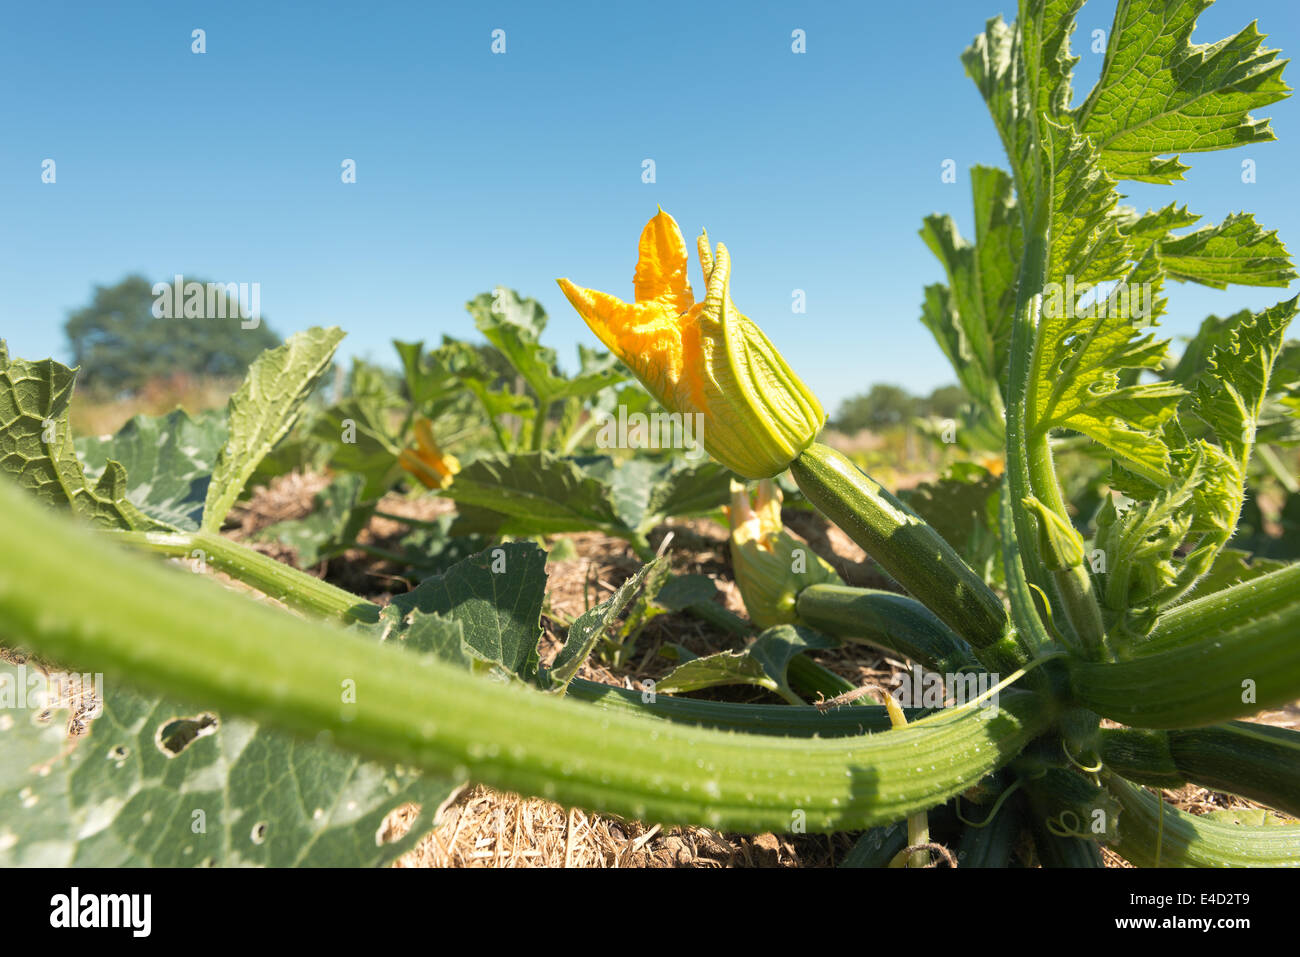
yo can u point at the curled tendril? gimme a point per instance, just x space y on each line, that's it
1047 610
1093 770
1061 826
997 806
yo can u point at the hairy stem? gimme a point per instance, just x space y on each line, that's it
294 588
155 627
1256 761
1186 840
1214 674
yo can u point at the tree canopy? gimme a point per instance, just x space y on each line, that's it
888 405
119 341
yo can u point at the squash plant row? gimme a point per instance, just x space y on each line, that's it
1113 639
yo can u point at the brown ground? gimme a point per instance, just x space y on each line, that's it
482 827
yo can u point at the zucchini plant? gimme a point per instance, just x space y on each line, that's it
1142 619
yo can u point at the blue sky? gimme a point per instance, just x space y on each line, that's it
476 170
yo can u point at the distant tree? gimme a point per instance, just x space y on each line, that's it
883 406
944 402
120 343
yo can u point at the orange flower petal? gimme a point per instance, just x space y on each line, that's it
661 265
706 255
662 348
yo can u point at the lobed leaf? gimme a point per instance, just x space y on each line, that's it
37 452
496 596
155 782
763 662
1159 93
262 411
168 461
538 491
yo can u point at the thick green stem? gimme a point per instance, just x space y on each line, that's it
905 546
1278 592
1256 761
77 599
1081 609
294 588
1074 585
304 593
1033 275
1209 674
1187 840
893 622
775 719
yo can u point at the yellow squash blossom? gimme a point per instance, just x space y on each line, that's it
770 565
704 357
426 461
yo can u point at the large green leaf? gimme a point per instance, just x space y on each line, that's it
687 488
168 461
1229 396
764 662
1159 548
1231 390
496 596
262 411
994 63
514 325
1086 243
358 441
156 783
1078 384
37 452
428 633
431 375
1237 250
1159 93
961 505
645 492
971 316
542 492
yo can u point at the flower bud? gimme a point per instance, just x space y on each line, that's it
704 357
770 565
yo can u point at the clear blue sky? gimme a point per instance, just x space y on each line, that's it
476 170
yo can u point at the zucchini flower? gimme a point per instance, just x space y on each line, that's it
705 357
771 566
433 467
